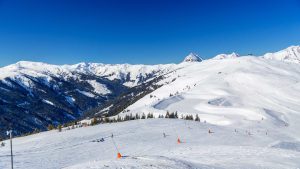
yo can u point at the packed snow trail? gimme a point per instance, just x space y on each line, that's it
143 145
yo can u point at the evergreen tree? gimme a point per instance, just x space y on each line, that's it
59 127
172 115
106 120
119 119
149 116
50 127
197 118
143 116
176 115
137 116
167 115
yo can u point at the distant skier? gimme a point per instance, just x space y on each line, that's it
2 144
164 134
209 131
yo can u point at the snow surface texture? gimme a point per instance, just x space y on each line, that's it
143 146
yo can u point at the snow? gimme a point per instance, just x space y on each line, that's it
88 94
132 75
250 103
192 57
48 102
98 87
227 56
291 54
142 144
70 99
230 92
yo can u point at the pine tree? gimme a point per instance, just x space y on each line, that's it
143 116
119 119
137 116
149 116
59 127
197 118
50 127
176 115
172 115
167 115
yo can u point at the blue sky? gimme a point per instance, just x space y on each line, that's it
143 31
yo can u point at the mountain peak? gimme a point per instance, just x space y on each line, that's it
226 56
192 57
290 54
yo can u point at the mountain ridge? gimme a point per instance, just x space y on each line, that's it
35 94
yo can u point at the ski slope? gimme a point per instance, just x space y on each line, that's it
142 144
238 92
251 104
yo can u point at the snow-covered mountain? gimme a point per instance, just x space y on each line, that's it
230 91
250 104
226 56
291 54
34 95
192 57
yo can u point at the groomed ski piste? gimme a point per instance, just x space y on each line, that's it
250 105
142 145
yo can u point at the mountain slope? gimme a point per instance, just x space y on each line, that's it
242 91
35 95
290 54
142 144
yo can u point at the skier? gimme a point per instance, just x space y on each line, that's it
164 135
2 144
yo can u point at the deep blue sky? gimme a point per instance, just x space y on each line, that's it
143 31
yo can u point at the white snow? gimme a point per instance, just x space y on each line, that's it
192 57
251 104
226 56
70 99
48 102
143 146
98 87
291 54
88 94
229 91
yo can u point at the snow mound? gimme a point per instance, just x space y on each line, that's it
290 54
192 57
226 56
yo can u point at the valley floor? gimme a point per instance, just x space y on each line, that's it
143 145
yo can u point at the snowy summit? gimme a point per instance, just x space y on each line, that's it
290 54
192 57
227 56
